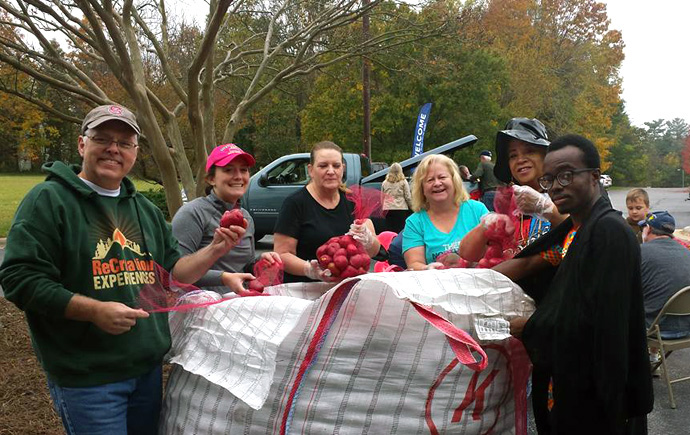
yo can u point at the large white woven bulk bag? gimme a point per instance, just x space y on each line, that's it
359 358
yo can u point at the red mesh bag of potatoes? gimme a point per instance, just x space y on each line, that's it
266 275
344 257
501 233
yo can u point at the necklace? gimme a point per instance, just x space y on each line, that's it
536 228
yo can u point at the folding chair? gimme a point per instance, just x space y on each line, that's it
677 305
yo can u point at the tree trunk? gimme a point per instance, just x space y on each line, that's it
234 123
159 149
180 158
366 87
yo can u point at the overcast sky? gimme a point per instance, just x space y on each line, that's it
656 69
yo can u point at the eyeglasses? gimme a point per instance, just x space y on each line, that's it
106 141
564 177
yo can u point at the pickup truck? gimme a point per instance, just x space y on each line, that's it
269 187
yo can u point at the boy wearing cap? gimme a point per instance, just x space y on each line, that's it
484 175
665 270
81 245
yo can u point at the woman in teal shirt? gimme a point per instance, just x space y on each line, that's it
443 213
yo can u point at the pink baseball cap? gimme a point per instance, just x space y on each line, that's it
224 154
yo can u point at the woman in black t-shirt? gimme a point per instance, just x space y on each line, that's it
311 216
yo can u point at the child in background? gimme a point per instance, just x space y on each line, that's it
637 203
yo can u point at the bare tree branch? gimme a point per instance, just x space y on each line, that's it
162 53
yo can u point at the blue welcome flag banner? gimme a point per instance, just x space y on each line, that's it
420 129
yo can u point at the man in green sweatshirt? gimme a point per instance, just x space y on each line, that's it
81 245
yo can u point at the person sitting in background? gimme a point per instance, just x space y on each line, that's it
227 178
637 203
396 198
665 270
484 175
314 214
444 212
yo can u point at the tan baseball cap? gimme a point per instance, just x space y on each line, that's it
111 112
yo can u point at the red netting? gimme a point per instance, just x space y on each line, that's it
166 294
501 233
504 203
451 260
266 275
367 202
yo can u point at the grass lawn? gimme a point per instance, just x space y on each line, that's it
13 187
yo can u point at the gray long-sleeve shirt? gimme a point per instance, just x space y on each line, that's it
665 270
194 225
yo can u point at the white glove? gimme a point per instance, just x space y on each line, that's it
363 235
490 218
496 232
529 201
312 270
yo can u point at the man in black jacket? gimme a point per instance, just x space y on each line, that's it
587 336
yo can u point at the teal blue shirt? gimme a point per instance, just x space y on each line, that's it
420 231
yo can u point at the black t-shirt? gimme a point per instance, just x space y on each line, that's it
304 219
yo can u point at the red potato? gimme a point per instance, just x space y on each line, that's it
233 217
349 272
340 261
495 261
334 270
352 249
494 251
346 240
484 264
451 260
324 260
332 248
256 285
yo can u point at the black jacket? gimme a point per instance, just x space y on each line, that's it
588 332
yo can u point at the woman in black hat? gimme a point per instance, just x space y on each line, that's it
520 151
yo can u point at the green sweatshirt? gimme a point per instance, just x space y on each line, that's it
67 239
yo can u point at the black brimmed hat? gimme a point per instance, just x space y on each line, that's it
531 131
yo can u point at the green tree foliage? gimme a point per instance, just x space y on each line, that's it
281 75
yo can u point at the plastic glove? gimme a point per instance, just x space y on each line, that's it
489 219
529 201
497 226
363 235
312 270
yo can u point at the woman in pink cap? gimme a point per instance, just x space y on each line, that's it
227 176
